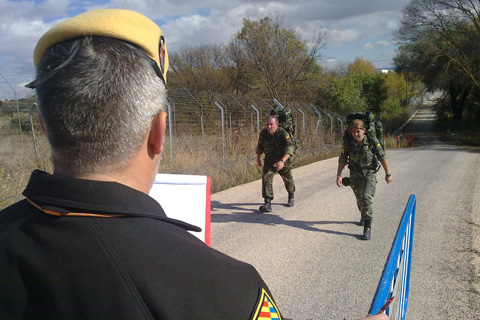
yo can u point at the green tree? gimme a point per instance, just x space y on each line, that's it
276 58
362 66
396 85
345 95
392 108
372 85
396 93
450 28
436 71
374 92
439 42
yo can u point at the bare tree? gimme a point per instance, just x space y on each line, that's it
200 68
447 28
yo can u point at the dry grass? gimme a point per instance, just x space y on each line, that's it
391 142
19 158
193 154
190 154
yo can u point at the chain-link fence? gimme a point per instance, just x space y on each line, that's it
207 134
205 114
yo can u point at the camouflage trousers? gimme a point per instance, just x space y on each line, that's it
269 172
364 187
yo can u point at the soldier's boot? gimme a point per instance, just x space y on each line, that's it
267 206
291 200
367 229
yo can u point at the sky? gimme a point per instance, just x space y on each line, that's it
354 28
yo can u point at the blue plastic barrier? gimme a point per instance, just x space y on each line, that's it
395 279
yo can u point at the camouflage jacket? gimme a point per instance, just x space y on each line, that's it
361 158
276 146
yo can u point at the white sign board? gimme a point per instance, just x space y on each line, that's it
185 198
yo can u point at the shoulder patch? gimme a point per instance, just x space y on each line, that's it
266 308
287 137
378 145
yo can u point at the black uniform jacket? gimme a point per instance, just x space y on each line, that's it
138 266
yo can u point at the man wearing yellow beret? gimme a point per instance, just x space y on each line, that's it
88 242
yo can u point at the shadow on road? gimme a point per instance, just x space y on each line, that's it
426 137
241 213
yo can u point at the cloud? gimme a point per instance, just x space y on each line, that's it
378 44
382 43
354 28
368 46
339 37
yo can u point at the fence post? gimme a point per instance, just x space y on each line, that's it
303 119
331 125
331 122
170 129
258 117
319 117
33 132
201 113
341 125
230 121
223 129
277 103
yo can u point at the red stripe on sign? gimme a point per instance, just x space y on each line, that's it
208 238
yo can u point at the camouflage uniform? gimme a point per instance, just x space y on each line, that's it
275 147
362 162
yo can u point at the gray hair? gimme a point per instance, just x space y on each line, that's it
272 116
97 110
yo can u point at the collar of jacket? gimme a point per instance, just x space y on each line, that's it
365 142
82 195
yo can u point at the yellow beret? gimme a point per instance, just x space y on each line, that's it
126 25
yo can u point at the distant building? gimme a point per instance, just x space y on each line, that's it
385 70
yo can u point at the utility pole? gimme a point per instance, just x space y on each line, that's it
406 89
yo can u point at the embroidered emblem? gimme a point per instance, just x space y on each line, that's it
266 308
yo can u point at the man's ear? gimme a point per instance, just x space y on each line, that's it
157 133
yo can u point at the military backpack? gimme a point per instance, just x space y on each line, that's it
285 120
373 128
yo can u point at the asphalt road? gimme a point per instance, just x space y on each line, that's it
312 255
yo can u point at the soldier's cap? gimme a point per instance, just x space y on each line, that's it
126 25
